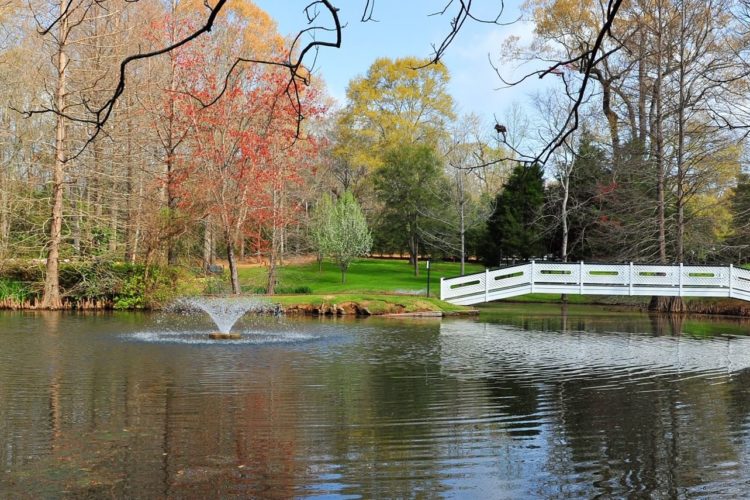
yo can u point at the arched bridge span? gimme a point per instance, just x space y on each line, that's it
597 279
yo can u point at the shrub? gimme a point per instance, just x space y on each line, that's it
133 293
114 284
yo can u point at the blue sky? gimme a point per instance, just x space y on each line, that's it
405 28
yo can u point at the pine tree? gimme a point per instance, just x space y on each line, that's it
513 229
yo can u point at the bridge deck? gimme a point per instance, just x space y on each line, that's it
597 279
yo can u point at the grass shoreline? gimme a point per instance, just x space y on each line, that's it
373 287
365 305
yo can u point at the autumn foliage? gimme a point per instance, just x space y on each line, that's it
243 154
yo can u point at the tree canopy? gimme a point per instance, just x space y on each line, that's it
398 102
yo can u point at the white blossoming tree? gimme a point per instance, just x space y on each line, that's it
344 235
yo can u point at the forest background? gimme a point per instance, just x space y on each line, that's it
131 213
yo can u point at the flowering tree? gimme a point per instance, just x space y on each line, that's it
243 152
344 235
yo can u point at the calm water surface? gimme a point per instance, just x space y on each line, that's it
520 403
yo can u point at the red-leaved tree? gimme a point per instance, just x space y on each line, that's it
244 155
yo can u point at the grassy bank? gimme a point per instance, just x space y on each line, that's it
365 276
373 286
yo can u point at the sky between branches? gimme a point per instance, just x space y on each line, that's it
405 28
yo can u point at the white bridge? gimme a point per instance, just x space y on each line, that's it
597 279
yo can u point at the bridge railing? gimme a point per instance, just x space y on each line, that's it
597 279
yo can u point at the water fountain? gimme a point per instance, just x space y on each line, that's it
186 322
225 311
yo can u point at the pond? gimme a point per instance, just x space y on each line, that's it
524 401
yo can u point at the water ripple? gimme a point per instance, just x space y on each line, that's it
620 357
374 409
200 337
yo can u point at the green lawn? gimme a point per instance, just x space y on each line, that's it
364 276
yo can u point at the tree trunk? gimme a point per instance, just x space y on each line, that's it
114 215
51 297
414 248
232 267
642 94
271 284
564 222
676 303
672 305
680 200
660 185
170 149
137 232
659 303
416 258
77 218
4 212
564 217
207 244
611 116
96 188
462 205
129 226
172 207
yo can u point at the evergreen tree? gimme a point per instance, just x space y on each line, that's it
514 229
740 239
589 213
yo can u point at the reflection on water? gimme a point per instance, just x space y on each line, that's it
622 357
518 405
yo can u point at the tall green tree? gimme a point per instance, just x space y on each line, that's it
514 229
409 185
401 101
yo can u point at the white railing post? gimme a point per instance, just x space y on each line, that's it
630 280
731 272
486 285
580 278
679 281
532 276
442 294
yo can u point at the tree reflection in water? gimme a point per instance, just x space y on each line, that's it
546 404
